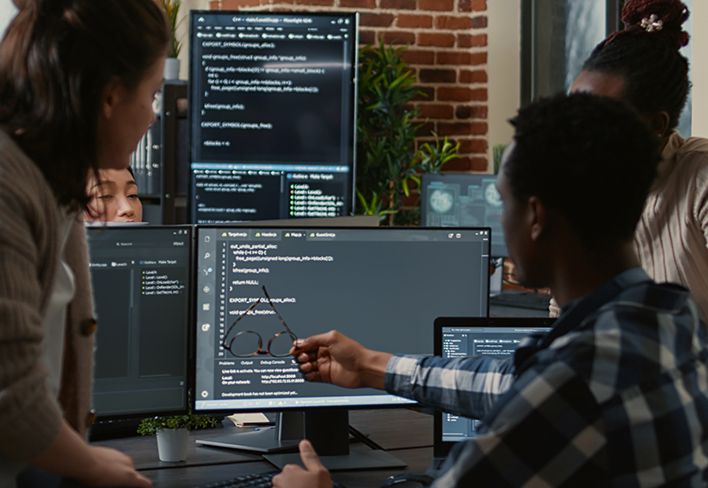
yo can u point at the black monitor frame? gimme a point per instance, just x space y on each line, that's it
354 60
189 294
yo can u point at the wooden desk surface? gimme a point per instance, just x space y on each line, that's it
407 434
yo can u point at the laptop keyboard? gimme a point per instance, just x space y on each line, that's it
261 480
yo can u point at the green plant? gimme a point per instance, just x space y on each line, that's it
497 154
171 8
388 163
191 421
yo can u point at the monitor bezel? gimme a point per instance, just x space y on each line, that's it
442 448
193 328
96 227
354 16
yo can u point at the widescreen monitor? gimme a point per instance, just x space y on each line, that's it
141 286
380 286
463 200
272 115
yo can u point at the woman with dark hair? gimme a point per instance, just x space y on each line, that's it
113 197
77 81
643 66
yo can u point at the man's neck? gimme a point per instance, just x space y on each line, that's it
579 273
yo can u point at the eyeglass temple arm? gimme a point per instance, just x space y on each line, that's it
280 317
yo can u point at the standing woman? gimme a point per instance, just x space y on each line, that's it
643 66
77 81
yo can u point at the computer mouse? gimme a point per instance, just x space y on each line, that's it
408 480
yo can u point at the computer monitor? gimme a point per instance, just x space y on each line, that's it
381 286
463 199
141 286
494 337
272 115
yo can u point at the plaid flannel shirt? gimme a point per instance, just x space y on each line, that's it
615 395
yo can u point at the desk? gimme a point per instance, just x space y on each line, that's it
407 434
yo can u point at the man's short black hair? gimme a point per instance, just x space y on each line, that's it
591 158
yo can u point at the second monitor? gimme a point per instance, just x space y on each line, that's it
463 200
141 283
272 115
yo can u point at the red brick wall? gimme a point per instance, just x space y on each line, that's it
447 46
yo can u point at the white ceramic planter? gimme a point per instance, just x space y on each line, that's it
172 445
171 69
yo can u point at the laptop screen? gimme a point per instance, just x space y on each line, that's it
460 337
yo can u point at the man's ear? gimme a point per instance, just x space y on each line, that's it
111 97
659 123
538 216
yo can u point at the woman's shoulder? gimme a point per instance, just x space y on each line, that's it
694 151
18 173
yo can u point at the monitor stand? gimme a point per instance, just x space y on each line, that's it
328 430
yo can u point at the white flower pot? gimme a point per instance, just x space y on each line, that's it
171 69
172 445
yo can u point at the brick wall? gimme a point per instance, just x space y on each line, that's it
447 46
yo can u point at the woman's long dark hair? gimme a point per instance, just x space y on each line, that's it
56 59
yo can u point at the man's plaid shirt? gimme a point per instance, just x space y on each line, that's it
615 395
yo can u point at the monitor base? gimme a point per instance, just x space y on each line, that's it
359 457
262 441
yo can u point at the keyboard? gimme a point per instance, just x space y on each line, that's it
260 480
524 299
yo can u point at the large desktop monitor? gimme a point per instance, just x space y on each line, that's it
463 200
272 115
141 286
381 286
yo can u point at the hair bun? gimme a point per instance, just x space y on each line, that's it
666 16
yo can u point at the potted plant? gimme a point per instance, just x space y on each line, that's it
388 162
171 8
173 433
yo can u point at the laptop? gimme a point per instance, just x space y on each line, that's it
471 336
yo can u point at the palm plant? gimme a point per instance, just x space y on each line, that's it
388 162
171 8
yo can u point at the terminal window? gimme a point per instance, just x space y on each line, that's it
382 287
272 115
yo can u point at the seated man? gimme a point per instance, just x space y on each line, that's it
616 393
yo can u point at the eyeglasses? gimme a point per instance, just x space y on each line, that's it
249 343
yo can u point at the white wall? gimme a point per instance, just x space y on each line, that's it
183 32
503 69
7 12
699 68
